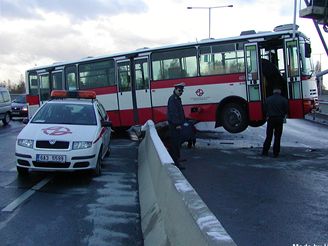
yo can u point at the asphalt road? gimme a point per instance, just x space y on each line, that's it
259 200
70 208
265 200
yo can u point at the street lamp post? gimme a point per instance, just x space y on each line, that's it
209 14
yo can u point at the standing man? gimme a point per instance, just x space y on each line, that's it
176 119
276 109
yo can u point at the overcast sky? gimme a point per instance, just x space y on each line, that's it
40 32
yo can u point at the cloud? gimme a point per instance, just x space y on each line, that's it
75 9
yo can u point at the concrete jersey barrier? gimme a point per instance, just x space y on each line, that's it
172 213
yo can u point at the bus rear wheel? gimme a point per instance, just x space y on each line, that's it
234 118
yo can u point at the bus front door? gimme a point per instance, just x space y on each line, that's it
57 81
141 77
293 75
253 87
124 94
44 87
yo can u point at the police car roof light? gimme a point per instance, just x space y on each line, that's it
73 94
87 94
58 94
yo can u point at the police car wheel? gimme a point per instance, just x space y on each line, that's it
22 171
97 170
6 120
107 152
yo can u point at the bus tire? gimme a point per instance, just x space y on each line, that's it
234 118
6 120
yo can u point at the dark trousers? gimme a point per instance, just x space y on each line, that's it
274 126
175 143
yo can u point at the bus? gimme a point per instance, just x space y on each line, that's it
226 80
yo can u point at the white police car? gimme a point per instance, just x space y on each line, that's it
69 132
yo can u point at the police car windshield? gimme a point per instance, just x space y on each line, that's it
72 114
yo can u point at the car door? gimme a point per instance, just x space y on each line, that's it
106 136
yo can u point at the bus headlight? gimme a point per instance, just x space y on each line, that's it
82 145
28 143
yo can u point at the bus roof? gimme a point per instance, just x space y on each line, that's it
250 36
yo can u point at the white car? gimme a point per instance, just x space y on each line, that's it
5 106
70 132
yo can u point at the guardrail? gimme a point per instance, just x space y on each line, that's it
172 213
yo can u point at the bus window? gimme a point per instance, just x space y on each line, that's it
44 87
70 77
252 66
57 81
293 73
142 79
221 59
97 74
124 76
33 84
292 59
174 64
307 67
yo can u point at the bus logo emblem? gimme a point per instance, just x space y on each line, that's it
199 92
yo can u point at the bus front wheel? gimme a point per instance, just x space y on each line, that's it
234 118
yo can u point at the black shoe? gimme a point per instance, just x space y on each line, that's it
275 155
265 153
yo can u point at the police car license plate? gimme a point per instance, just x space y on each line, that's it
51 158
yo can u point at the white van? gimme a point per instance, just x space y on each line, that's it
5 105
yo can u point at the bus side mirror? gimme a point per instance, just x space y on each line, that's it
307 50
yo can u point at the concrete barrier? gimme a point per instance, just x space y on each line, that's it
172 213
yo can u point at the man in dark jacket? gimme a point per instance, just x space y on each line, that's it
176 119
276 109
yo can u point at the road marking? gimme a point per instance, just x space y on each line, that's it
19 200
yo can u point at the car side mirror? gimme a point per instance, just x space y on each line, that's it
106 123
25 121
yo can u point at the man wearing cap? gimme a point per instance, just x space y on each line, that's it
176 119
276 109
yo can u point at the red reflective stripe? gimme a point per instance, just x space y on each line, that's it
208 80
103 130
105 90
32 100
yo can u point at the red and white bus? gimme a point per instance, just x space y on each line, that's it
227 80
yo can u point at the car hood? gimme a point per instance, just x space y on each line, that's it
59 132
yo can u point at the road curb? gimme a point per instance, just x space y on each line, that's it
172 213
